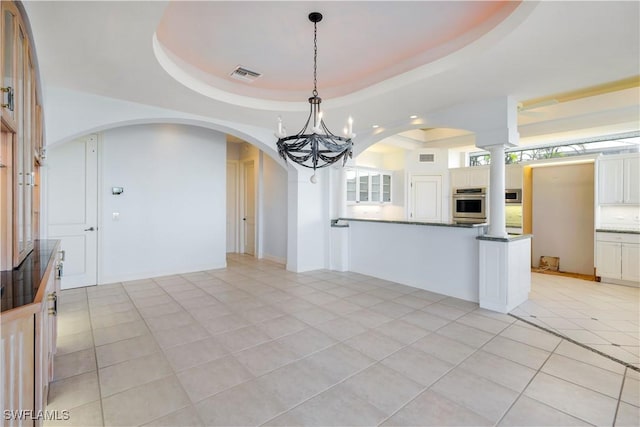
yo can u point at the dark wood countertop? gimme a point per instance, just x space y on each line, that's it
20 285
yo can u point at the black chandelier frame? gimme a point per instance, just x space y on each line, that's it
320 148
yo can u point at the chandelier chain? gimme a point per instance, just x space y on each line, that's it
314 146
315 59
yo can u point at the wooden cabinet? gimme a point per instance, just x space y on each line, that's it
619 180
471 177
366 185
21 122
29 330
617 256
17 367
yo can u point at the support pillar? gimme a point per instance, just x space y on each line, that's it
497 216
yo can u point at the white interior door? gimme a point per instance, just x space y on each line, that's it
426 198
72 200
249 217
232 206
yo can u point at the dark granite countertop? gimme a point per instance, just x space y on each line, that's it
610 230
436 224
20 285
510 238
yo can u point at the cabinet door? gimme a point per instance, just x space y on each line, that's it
513 177
459 178
363 186
386 188
426 198
608 259
17 368
376 187
610 181
8 61
478 177
352 183
630 262
632 180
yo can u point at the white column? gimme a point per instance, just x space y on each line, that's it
497 220
342 194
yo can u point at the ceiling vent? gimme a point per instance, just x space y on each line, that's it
244 74
427 158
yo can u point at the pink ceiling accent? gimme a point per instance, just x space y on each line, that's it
359 43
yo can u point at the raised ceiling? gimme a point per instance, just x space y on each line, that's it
357 47
380 62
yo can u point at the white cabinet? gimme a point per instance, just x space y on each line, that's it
471 177
619 180
631 180
630 257
513 177
617 257
368 186
608 259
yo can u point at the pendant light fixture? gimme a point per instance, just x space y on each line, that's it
315 146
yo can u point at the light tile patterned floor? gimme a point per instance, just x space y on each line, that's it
253 344
602 316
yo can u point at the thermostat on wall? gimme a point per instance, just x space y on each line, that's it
117 190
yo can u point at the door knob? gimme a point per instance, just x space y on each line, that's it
244 219
89 229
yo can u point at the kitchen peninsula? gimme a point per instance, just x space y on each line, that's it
457 260
437 257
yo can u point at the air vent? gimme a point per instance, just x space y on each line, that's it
427 158
244 74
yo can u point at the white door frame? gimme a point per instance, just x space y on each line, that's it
236 217
92 212
242 192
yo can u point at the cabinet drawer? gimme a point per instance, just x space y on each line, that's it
618 237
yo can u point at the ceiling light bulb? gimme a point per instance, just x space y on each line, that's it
413 117
375 126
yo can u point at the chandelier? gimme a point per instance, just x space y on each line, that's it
315 146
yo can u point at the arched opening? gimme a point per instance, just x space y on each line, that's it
405 175
150 199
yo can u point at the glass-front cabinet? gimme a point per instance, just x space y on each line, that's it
366 185
21 140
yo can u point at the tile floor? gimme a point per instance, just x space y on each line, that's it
253 344
602 316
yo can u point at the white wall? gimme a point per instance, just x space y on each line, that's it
172 212
563 216
435 258
275 211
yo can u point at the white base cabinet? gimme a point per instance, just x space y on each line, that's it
630 256
618 258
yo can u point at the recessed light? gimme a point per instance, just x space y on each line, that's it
413 117
375 126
